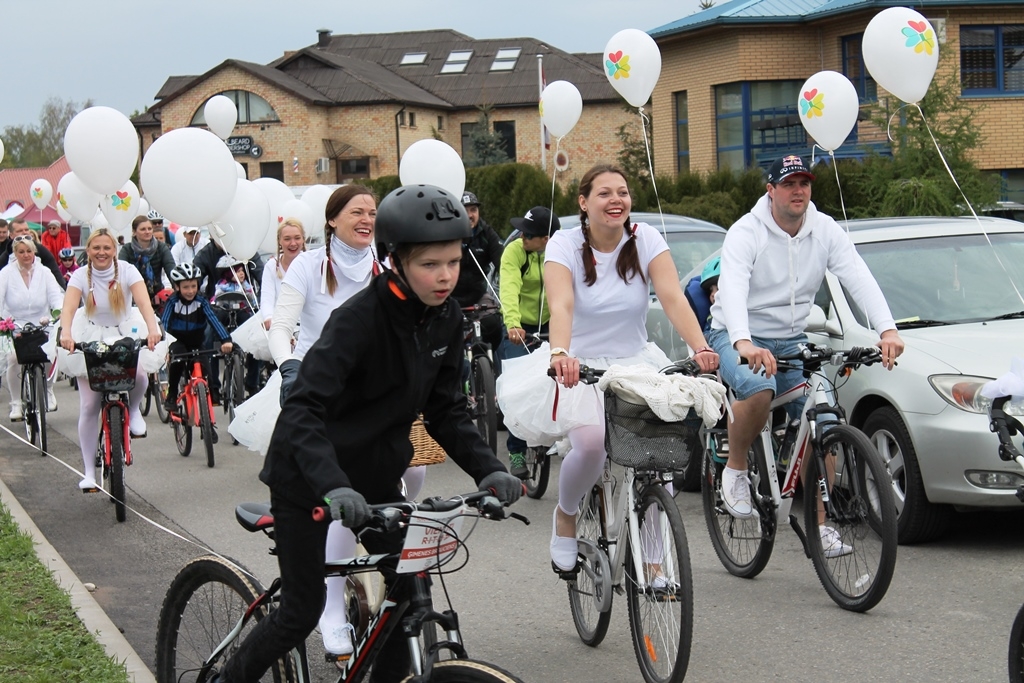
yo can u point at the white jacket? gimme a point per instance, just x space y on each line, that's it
769 279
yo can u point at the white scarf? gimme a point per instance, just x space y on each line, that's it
354 264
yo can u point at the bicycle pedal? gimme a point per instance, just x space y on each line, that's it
95 489
338 659
566 575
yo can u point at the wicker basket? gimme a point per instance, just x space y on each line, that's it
426 450
636 437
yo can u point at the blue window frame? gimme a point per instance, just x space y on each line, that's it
757 121
992 59
853 68
682 133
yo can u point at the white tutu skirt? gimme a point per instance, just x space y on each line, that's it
83 330
253 338
255 419
526 394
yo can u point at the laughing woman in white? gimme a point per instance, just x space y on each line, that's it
28 292
109 286
291 241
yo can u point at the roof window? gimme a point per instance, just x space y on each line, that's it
413 58
456 62
506 59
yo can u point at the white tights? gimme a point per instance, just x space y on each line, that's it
90 403
341 543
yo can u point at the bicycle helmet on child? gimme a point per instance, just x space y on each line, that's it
417 214
186 271
709 276
67 252
229 261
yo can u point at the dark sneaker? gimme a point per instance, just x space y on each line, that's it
517 466
215 396
170 406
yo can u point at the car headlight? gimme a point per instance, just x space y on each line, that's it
964 392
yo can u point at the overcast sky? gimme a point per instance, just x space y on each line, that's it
119 52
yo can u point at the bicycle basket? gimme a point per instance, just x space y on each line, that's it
112 367
426 451
636 437
28 346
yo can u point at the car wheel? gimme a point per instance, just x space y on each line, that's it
919 519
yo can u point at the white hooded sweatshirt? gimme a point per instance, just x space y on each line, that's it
769 279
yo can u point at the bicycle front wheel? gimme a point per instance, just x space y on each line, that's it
39 382
148 400
538 462
115 421
660 610
590 597
203 604
1016 650
852 542
743 546
30 405
486 409
158 390
205 421
468 671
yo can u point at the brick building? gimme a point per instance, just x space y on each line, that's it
348 106
731 75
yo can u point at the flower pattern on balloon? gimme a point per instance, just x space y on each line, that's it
812 103
37 193
617 65
63 202
121 201
919 36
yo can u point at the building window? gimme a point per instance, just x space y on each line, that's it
456 62
272 169
410 58
506 59
853 68
682 133
507 131
245 168
351 169
756 122
251 108
992 59
467 139
440 123
412 119
401 118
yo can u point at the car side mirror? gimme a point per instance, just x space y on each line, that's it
819 324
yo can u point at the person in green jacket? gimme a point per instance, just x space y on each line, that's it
522 301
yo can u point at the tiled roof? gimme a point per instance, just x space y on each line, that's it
15 182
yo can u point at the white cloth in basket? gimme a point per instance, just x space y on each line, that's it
255 419
253 338
83 330
670 397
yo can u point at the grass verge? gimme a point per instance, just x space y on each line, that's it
41 638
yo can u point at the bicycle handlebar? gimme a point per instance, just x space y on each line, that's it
82 346
390 516
812 357
196 352
589 375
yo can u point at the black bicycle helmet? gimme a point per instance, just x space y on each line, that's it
417 214
186 271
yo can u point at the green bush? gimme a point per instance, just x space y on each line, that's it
719 208
918 197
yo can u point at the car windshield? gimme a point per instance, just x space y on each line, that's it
949 279
689 249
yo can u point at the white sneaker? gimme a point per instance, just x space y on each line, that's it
736 493
337 638
88 485
16 414
51 400
833 544
137 425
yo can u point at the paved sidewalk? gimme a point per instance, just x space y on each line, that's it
88 610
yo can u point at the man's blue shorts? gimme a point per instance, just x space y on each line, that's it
745 383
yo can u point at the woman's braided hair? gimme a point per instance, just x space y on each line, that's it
628 263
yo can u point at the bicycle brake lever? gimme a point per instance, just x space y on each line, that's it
521 518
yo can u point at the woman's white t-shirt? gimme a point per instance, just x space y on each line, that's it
609 317
127 275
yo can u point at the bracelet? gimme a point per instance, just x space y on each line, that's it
559 351
706 348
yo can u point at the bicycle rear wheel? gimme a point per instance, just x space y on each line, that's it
590 597
538 462
743 546
1015 653
853 547
115 421
468 671
148 399
29 406
205 421
39 385
203 603
660 612
158 389
486 408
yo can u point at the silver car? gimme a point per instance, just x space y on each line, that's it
956 289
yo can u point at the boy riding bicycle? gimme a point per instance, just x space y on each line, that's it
186 317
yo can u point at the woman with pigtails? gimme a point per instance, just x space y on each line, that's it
110 287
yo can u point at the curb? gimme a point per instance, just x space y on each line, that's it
88 610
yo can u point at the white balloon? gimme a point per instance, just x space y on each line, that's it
240 171
316 197
144 207
77 199
432 162
221 115
828 108
632 64
102 148
99 221
901 52
189 176
278 194
62 212
240 230
560 107
121 207
41 192
1 150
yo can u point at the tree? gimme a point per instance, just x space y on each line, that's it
706 4
41 144
486 145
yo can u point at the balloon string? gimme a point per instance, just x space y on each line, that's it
551 223
650 168
842 203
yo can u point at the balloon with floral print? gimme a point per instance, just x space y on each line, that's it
829 106
632 62
901 52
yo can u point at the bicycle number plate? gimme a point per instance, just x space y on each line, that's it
431 539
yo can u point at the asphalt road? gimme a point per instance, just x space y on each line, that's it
946 617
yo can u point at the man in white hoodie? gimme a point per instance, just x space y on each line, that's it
773 262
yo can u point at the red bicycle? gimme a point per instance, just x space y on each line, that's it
194 407
111 371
